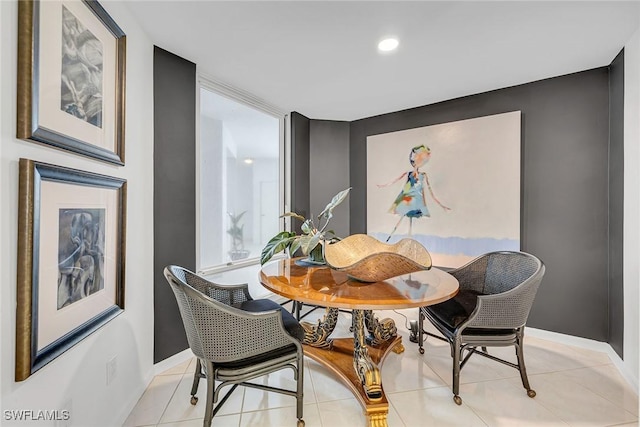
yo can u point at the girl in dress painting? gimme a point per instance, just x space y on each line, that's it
411 202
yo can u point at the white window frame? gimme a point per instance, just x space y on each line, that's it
284 162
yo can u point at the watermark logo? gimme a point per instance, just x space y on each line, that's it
36 415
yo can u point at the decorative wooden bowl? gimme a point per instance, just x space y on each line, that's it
367 259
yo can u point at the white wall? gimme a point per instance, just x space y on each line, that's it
631 206
79 375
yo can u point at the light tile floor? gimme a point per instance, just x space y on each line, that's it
575 387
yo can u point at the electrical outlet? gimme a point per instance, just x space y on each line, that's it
112 369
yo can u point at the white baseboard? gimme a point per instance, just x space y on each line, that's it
580 342
172 361
588 344
623 369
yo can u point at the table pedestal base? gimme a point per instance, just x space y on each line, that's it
339 359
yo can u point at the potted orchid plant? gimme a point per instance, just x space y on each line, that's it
311 239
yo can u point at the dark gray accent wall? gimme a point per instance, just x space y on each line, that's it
174 191
565 189
300 201
616 202
329 165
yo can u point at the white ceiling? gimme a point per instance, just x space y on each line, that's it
320 58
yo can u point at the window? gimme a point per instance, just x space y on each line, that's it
240 179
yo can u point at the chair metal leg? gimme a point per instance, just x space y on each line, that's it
521 367
208 412
457 354
299 390
196 381
298 307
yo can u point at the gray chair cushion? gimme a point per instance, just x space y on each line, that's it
290 323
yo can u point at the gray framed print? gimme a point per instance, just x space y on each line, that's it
71 249
71 78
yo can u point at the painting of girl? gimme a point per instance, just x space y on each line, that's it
460 191
411 201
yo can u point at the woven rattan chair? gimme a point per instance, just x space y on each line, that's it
496 294
236 338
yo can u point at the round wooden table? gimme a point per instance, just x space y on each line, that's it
356 360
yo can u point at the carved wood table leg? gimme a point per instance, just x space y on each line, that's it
355 360
380 330
365 368
378 419
398 348
340 360
318 335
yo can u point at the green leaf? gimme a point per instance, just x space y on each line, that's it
294 215
278 243
327 213
307 227
295 245
307 243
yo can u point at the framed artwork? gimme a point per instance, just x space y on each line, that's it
454 187
71 248
71 78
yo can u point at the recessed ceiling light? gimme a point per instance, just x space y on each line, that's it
248 160
387 45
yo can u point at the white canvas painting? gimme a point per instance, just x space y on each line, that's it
454 187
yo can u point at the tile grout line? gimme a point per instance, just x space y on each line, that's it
423 360
169 401
391 405
597 392
541 403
